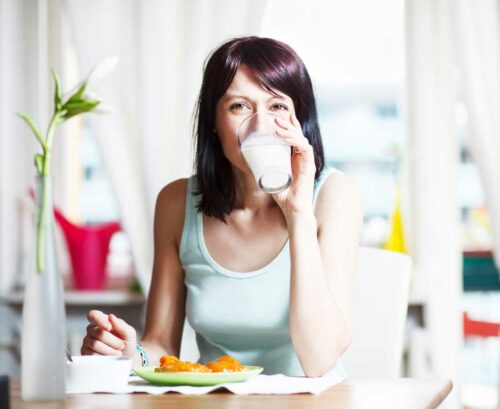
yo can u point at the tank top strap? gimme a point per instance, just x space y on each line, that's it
319 182
189 215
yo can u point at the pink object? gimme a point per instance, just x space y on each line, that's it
88 247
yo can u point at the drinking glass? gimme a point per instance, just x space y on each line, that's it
267 155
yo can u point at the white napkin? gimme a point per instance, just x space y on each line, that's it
260 384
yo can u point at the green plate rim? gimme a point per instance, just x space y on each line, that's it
210 377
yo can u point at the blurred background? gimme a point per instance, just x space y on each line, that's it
408 95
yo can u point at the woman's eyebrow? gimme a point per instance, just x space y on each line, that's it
235 96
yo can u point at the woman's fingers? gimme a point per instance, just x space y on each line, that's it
291 132
87 351
100 319
292 122
105 337
299 144
108 335
282 123
93 345
111 323
122 329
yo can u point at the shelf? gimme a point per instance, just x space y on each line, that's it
86 298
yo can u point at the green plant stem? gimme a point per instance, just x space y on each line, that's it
45 180
42 224
48 142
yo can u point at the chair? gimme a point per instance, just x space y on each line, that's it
380 305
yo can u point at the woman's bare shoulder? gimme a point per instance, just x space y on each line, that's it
174 192
170 206
339 191
339 182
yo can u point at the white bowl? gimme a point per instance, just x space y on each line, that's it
93 373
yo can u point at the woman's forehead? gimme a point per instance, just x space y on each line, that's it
245 83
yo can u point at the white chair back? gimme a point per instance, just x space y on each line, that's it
380 307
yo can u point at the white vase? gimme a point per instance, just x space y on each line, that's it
43 343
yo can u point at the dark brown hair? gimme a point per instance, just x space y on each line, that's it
278 68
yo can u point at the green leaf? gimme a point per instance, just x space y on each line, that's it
57 92
79 107
78 94
68 106
39 163
33 127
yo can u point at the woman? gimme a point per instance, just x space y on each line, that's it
267 279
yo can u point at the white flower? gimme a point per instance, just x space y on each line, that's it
101 70
94 78
83 98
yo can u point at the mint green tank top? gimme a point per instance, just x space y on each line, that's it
244 315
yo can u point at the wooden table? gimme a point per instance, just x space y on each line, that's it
402 393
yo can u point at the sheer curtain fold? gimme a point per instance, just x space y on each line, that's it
444 35
477 28
24 61
433 181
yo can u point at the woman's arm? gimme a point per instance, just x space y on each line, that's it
110 335
167 295
323 247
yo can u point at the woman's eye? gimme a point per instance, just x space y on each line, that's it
239 106
280 107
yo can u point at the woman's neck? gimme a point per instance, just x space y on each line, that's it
248 194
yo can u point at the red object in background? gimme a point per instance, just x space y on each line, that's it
88 247
483 329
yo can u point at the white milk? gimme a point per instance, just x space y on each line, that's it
269 160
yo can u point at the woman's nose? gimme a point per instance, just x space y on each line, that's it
260 121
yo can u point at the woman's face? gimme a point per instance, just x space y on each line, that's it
244 97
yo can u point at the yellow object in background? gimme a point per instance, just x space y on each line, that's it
396 239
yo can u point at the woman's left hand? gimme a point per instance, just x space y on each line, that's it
298 196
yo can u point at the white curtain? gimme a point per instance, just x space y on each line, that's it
11 136
147 141
478 51
26 31
433 180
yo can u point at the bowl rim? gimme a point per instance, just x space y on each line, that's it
93 359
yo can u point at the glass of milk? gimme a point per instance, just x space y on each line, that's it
266 154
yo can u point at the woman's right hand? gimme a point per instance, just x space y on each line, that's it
108 335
